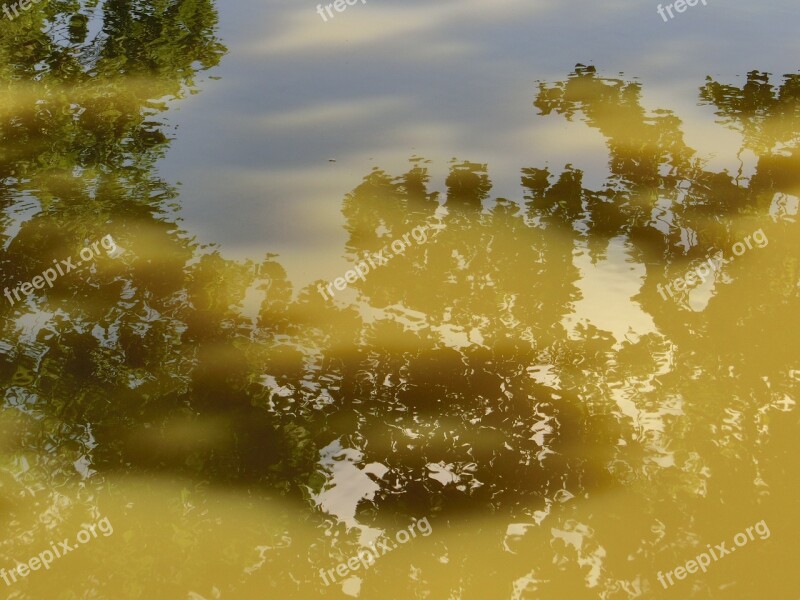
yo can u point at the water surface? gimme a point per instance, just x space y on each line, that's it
519 373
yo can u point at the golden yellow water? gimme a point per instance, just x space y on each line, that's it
519 377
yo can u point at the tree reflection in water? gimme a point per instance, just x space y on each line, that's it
462 391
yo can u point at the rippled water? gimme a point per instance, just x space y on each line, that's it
520 279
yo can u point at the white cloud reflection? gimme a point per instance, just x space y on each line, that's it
376 21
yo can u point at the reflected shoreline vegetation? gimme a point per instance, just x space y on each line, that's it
240 453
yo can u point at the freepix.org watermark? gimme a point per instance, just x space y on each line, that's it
62 267
46 557
713 264
381 258
339 5
703 560
23 4
679 6
366 558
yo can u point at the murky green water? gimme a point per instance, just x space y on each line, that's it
566 368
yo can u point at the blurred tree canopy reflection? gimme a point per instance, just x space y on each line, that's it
466 382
